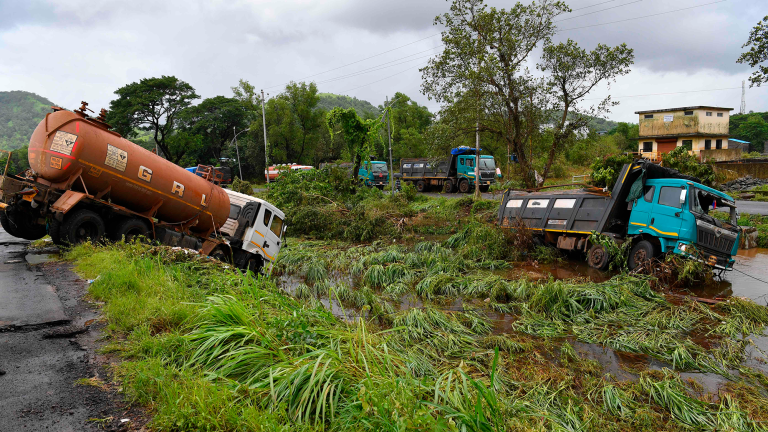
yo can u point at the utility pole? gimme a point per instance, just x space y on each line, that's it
239 167
389 135
266 154
743 108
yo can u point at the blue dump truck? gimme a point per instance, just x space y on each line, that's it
658 210
374 174
455 172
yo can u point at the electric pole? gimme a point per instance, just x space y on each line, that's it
389 135
266 154
743 108
239 167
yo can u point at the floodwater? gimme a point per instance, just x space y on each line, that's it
748 279
39 258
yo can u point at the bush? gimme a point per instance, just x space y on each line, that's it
606 171
242 186
686 163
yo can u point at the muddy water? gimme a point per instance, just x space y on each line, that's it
566 269
751 265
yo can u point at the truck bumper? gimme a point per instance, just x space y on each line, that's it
720 262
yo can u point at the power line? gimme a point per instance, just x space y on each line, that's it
598 11
596 4
387 77
381 66
641 17
361 60
671 93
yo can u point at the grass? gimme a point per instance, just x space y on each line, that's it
207 348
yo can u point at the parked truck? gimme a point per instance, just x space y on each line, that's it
374 174
658 210
457 172
87 183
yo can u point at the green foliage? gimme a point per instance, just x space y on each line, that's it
606 171
679 159
294 123
758 53
19 160
329 101
360 135
20 113
752 128
409 122
242 186
152 104
216 121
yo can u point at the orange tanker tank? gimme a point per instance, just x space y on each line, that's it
67 145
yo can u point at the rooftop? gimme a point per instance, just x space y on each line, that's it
688 108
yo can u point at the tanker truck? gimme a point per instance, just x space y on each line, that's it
87 183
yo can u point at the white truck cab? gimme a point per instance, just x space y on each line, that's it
255 226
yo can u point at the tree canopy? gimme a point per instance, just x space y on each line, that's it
152 104
758 53
20 113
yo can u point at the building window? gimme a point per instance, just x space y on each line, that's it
719 114
648 147
709 114
688 144
718 144
648 116
688 113
707 144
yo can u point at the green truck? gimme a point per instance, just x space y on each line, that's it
457 172
374 174
658 210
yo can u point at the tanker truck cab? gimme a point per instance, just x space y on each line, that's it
256 228
676 213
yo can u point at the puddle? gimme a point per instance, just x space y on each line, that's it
567 269
34 259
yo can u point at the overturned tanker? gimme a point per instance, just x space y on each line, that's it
86 183
658 210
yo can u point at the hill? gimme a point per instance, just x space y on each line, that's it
329 101
20 112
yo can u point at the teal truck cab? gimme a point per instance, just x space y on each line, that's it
658 210
374 173
455 172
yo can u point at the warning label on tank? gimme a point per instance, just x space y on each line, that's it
63 142
116 158
55 162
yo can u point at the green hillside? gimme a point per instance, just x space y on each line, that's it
329 101
20 112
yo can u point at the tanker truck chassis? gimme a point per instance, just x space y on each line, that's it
70 194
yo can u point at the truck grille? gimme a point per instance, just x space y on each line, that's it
486 175
714 238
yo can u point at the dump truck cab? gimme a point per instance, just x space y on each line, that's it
374 173
463 164
676 213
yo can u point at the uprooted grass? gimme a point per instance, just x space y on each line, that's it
210 349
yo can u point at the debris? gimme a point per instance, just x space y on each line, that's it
745 183
67 331
90 281
15 261
125 420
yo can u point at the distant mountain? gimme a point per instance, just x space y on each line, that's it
600 124
20 113
329 101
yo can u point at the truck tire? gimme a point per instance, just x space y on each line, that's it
130 228
641 252
448 186
81 226
19 220
598 257
464 186
221 254
54 230
421 186
254 264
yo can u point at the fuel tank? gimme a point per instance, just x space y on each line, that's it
66 144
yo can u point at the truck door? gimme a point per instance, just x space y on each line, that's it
267 233
641 211
666 215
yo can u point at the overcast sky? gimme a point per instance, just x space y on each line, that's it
73 50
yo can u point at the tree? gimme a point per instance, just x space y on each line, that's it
359 135
486 57
409 123
152 104
758 53
295 125
215 120
754 130
252 143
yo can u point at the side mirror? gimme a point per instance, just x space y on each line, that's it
682 196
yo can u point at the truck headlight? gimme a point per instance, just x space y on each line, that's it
682 246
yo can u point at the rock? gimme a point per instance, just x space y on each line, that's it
748 237
2 372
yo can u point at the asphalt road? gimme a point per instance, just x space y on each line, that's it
48 340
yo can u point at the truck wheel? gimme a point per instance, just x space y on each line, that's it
598 257
484 188
642 252
447 186
54 230
220 254
81 226
421 186
130 228
21 222
254 264
464 186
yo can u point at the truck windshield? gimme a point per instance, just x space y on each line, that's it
703 202
378 168
488 164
